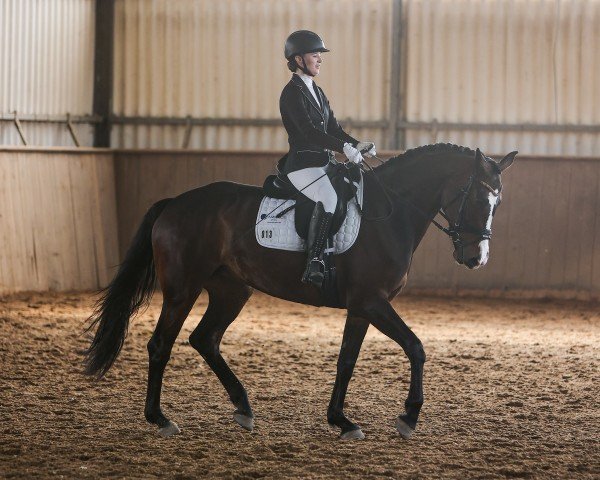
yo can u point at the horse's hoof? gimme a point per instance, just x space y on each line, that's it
244 421
169 430
403 429
353 435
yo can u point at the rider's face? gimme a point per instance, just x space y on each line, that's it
313 62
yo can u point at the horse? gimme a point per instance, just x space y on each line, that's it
199 240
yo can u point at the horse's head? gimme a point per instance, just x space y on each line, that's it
469 206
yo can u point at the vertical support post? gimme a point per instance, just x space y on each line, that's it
103 70
396 139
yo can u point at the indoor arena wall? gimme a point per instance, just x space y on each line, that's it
58 219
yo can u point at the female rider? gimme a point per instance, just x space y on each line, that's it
313 135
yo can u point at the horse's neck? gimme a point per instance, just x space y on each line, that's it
420 182
421 179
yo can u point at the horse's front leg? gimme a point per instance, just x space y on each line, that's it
354 333
383 317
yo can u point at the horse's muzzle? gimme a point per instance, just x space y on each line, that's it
472 263
471 259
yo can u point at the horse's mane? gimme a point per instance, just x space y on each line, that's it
406 164
436 148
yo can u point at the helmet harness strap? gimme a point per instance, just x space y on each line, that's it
303 66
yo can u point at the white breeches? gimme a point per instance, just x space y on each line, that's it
320 191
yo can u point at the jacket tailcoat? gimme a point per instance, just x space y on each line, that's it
313 130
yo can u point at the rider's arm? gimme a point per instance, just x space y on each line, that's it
292 104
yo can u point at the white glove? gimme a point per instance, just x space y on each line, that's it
366 148
352 153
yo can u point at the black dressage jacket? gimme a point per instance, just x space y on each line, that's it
312 128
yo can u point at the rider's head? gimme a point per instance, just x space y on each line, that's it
303 52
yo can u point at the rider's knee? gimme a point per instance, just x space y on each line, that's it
330 202
328 196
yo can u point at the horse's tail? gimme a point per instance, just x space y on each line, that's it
131 289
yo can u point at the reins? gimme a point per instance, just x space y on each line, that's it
387 191
455 228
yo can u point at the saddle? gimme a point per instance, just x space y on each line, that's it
345 179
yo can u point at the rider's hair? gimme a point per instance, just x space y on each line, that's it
292 65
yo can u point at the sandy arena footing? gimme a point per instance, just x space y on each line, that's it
511 390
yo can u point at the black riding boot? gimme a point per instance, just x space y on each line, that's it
318 231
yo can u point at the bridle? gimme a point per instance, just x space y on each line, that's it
455 228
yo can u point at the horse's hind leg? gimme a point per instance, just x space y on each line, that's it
175 310
227 297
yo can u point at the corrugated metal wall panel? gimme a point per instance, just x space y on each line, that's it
488 61
509 61
47 58
225 59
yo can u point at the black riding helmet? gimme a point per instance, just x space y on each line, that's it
301 42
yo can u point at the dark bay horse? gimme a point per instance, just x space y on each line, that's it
204 239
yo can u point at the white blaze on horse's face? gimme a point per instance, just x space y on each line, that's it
484 245
473 249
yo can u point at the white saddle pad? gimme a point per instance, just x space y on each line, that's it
280 233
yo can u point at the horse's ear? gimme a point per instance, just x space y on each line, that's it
507 161
479 160
478 156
